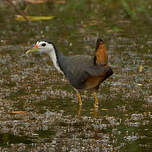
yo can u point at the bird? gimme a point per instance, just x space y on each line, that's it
82 71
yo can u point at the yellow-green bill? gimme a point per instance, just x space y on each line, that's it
32 50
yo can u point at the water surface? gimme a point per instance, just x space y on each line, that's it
39 109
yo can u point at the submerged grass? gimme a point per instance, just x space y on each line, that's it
51 119
7 138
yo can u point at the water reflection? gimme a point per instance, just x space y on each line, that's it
53 121
79 110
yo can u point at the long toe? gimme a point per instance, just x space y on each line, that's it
96 105
79 99
96 100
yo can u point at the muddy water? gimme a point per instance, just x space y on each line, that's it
38 107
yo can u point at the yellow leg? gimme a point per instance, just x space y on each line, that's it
79 110
79 99
95 112
96 100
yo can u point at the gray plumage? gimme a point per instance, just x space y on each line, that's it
79 68
82 71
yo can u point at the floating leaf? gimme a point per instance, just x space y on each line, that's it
18 112
34 18
140 68
36 1
104 109
139 84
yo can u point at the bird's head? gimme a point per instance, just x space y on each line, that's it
42 47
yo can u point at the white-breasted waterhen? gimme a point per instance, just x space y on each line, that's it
82 71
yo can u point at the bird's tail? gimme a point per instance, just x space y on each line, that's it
100 53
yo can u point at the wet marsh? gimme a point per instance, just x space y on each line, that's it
39 109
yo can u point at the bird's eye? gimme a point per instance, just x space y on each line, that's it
43 44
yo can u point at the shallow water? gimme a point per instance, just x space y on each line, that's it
38 107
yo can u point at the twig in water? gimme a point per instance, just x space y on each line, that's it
17 10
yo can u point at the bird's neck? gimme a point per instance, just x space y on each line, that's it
55 55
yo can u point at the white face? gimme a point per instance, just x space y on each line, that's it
44 47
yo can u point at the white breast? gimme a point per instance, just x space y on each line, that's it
54 60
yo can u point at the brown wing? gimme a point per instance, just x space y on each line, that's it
86 71
101 53
78 69
93 82
100 59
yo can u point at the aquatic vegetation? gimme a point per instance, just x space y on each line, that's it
37 105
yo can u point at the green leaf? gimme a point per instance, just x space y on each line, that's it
34 18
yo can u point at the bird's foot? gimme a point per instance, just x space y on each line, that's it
79 99
79 110
95 112
80 104
96 100
96 105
